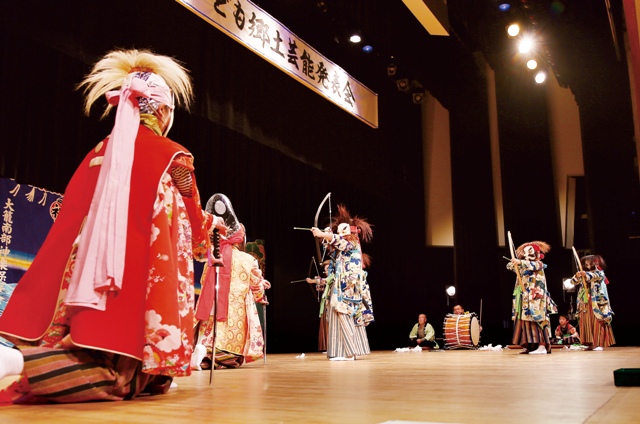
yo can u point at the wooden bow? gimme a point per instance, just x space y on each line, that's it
579 264
320 256
513 256
320 253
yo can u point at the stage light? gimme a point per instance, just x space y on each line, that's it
451 291
503 7
541 77
355 38
532 64
367 48
525 46
403 84
417 97
392 69
322 5
513 30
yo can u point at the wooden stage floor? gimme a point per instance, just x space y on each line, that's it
384 387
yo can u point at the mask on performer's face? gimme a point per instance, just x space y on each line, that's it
344 229
529 253
589 265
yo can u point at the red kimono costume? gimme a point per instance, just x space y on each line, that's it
146 328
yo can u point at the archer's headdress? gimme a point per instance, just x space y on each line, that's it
540 247
358 226
360 229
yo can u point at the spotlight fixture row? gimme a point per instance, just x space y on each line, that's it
527 49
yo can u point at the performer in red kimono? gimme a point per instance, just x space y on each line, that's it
108 300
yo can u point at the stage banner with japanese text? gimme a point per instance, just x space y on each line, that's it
28 213
264 35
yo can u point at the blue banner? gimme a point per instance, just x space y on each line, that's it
28 213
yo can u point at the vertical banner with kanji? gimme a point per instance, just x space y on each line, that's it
28 213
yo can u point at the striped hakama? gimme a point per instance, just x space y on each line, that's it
529 334
80 375
594 331
345 338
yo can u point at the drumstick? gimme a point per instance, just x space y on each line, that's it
480 320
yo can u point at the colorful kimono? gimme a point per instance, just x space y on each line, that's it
594 312
531 308
147 328
239 336
349 299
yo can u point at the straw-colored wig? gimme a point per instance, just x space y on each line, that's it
110 72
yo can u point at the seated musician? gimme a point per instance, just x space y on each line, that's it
423 334
459 310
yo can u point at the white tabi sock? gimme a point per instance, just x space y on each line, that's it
342 358
199 352
11 362
539 351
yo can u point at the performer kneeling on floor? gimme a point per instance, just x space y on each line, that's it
105 312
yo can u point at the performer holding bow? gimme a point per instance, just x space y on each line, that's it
532 304
594 311
347 290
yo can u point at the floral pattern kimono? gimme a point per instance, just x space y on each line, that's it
239 338
534 303
169 301
151 320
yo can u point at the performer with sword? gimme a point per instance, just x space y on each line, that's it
229 295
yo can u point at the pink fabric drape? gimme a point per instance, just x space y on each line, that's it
102 247
208 293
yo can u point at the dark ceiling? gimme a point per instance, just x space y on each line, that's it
569 34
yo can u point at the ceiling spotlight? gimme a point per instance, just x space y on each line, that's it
513 30
367 48
403 84
322 5
355 38
532 64
417 97
451 291
525 45
541 77
392 69
503 7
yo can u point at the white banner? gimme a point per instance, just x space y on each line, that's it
260 32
